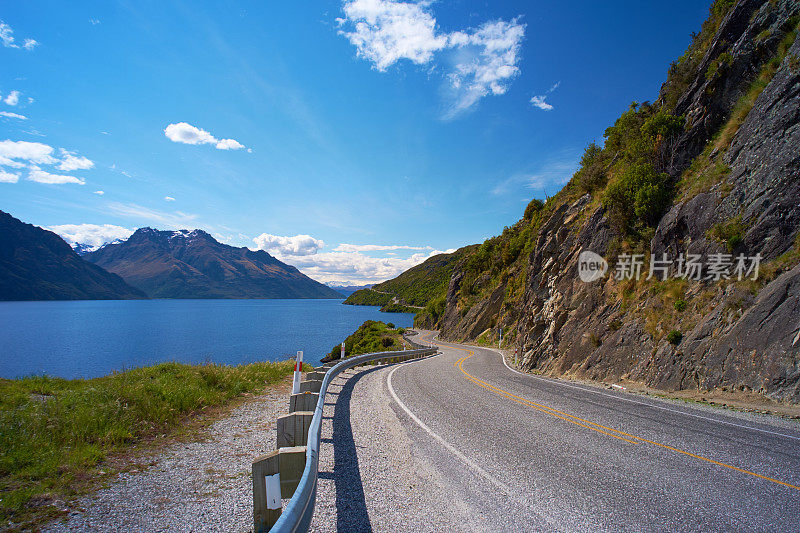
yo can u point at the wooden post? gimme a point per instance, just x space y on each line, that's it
292 429
263 516
311 385
289 464
303 401
292 462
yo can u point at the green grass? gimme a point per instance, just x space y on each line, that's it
371 336
368 297
56 433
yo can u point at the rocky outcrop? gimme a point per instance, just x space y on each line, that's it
735 336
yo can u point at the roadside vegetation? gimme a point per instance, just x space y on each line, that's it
371 336
55 434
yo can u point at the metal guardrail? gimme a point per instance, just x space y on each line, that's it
298 513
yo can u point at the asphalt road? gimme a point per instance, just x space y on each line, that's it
460 442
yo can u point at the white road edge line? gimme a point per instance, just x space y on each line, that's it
571 386
463 458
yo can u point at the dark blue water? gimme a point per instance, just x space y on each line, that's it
94 338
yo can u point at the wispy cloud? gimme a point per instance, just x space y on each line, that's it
185 133
539 101
8 40
377 247
479 62
140 214
8 114
169 199
41 176
546 179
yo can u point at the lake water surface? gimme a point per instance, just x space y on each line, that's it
93 338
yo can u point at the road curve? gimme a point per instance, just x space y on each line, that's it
460 442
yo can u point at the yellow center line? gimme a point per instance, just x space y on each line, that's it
611 432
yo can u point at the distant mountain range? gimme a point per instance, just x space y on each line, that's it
345 289
36 264
192 264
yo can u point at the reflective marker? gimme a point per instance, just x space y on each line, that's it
273 491
298 367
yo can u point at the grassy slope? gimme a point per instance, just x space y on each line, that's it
371 336
416 286
55 433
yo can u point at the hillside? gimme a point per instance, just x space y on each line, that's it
192 264
36 264
705 174
414 288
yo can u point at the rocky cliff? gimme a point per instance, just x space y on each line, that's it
710 169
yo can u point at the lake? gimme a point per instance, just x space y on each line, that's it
93 338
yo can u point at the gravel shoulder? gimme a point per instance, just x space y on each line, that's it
200 485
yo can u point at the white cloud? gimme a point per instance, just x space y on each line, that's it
229 144
376 247
183 132
346 263
12 98
8 40
539 101
99 193
385 31
70 161
40 176
353 267
169 198
482 60
487 62
21 154
8 114
27 151
8 177
91 235
295 246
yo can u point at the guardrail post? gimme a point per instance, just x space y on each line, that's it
292 429
303 401
288 464
265 513
310 385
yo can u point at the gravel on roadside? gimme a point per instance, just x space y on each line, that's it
202 485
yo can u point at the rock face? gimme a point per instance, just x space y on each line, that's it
36 264
735 336
192 264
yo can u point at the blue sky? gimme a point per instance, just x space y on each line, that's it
352 139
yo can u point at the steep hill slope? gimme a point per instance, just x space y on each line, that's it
192 264
36 264
416 287
707 174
